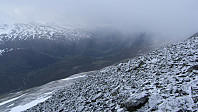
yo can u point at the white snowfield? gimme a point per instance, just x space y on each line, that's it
29 98
164 80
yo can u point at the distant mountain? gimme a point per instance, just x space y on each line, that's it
162 80
38 31
35 54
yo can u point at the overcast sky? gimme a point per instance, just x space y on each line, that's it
165 18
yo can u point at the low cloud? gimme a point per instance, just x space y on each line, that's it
165 20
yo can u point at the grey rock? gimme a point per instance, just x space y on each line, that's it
134 103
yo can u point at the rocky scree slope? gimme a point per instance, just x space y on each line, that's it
163 80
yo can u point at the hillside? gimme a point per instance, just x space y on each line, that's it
162 80
34 54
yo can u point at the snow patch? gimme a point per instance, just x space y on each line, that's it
73 77
28 105
5 102
5 29
49 93
5 50
10 105
1 51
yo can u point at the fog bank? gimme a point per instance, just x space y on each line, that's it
169 20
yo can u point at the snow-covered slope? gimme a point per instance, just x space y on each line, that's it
163 80
38 31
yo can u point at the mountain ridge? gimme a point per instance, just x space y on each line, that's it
21 31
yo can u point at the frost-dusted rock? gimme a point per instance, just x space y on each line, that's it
195 67
115 91
134 103
97 96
